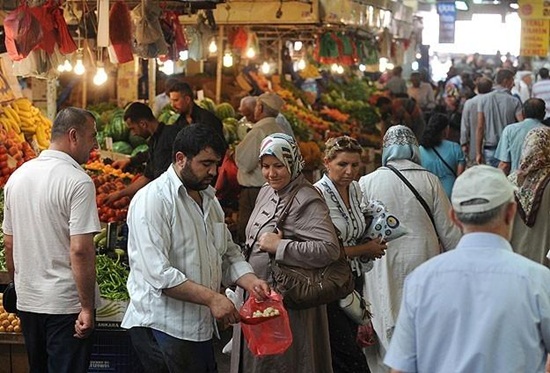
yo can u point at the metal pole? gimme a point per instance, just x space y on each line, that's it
219 65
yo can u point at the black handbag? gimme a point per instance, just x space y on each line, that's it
9 298
311 287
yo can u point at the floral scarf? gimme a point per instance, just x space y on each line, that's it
286 150
400 143
533 174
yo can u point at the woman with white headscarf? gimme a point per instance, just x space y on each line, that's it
307 239
384 283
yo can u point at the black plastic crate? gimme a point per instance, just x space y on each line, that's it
113 352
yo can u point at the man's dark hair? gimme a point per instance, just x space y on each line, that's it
543 72
181 87
383 100
71 117
137 111
504 74
484 85
534 108
196 137
169 83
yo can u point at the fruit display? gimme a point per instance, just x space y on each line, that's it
27 122
106 184
9 322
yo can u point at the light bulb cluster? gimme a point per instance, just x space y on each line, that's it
65 66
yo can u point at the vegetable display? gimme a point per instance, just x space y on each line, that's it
111 278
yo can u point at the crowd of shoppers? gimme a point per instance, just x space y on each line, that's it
181 252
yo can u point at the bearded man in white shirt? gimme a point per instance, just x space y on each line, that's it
180 251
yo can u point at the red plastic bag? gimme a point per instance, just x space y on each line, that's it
44 14
64 38
23 33
271 337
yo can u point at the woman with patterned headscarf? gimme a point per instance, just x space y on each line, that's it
531 236
307 238
384 283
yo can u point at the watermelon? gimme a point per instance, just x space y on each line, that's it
208 104
100 137
140 149
122 147
98 122
225 110
168 115
118 129
230 130
135 140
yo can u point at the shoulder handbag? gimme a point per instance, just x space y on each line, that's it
444 162
310 287
418 197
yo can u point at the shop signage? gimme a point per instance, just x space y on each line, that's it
447 17
534 9
534 37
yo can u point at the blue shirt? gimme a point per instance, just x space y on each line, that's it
452 154
511 142
479 308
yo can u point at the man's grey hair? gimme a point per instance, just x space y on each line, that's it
482 218
249 101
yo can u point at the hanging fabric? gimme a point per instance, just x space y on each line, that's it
121 41
103 23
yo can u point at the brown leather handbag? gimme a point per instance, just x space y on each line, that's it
311 287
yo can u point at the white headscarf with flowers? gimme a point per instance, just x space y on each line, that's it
286 150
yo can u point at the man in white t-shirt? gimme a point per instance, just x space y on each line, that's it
50 217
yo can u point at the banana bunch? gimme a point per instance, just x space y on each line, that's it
9 120
309 72
27 121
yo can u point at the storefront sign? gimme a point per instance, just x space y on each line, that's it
447 17
534 9
534 37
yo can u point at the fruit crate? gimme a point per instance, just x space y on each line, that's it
112 351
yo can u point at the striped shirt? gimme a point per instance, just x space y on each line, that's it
541 89
172 240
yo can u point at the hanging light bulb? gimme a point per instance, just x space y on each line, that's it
167 67
250 52
67 65
298 45
227 59
265 68
301 64
340 69
100 76
61 67
79 68
213 47
184 55
362 68
334 67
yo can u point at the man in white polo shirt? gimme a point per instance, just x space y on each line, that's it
50 217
